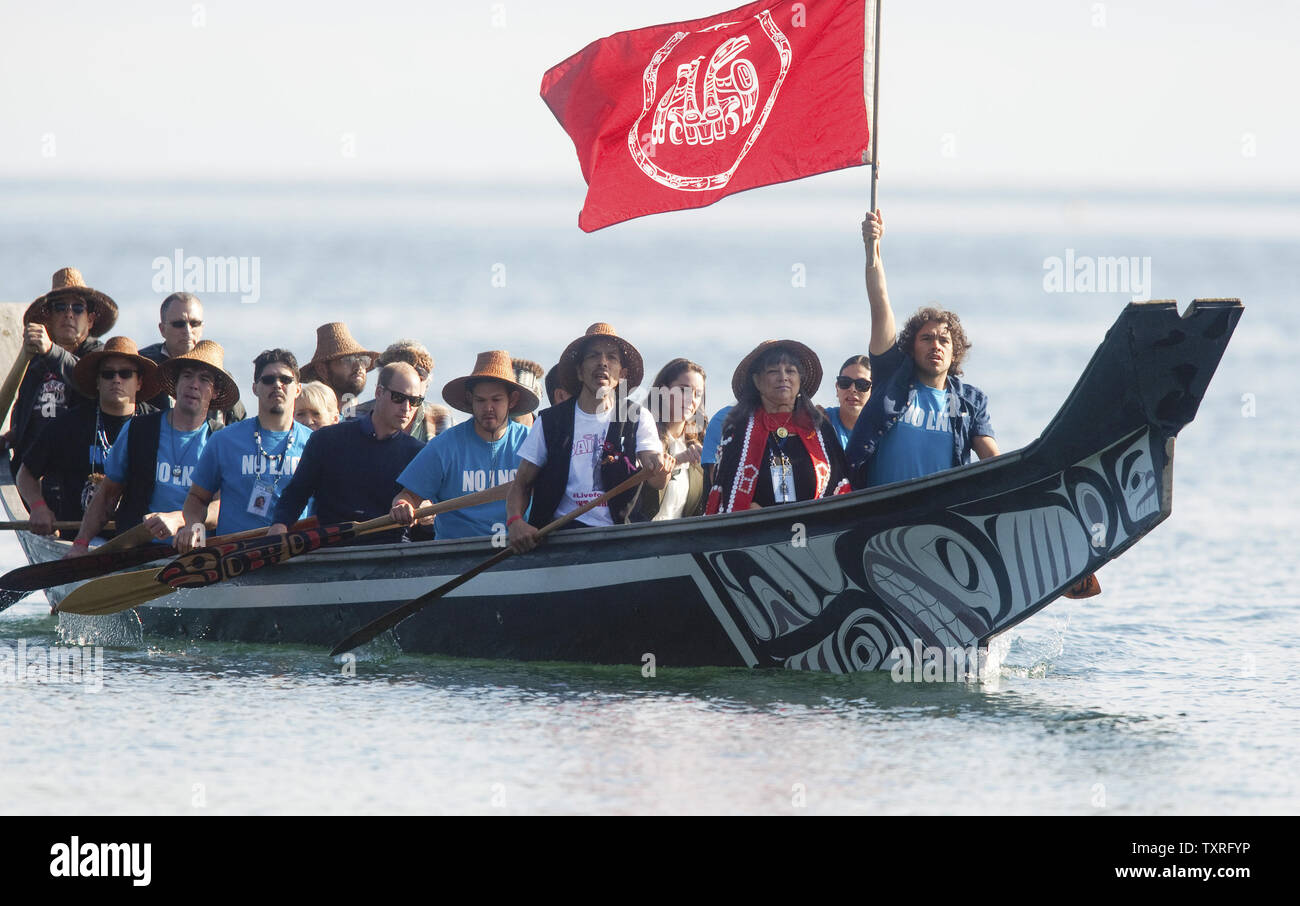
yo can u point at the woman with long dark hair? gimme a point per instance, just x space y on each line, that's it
776 446
676 402
852 389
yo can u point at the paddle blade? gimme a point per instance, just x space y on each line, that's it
10 597
113 594
37 576
210 565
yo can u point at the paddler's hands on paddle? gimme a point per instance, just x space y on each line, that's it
658 467
41 519
404 506
189 537
163 525
36 340
521 536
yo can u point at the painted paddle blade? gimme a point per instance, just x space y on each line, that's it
210 565
37 576
397 615
113 594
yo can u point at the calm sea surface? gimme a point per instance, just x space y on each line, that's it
1173 692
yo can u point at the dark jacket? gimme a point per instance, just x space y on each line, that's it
894 376
618 462
45 393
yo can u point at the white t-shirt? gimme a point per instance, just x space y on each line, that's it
679 486
589 433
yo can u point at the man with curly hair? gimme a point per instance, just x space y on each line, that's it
922 417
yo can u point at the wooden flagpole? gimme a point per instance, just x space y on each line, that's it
875 112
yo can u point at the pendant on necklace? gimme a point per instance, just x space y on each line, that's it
782 433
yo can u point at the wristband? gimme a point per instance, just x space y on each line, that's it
40 505
80 543
511 521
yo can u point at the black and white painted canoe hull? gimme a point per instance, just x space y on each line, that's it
947 561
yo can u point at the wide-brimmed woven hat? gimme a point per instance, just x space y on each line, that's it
86 372
333 341
496 365
67 283
633 368
811 366
205 352
412 353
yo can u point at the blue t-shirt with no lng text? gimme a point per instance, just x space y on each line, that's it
919 444
458 462
181 449
232 465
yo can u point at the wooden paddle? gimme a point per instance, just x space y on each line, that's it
397 615
9 389
99 562
59 526
128 590
217 563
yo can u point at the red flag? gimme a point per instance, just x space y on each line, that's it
680 115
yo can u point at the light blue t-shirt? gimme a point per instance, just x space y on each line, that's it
232 465
919 444
840 431
713 436
176 449
458 462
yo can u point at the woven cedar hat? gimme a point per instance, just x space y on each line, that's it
529 374
208 353
495 365
86 373
67 283
333 341
412 353
567 376
811 366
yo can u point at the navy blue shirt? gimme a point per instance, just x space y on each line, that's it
350 472
894 390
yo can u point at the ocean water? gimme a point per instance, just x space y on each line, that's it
1171 693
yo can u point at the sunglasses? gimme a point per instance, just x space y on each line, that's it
270 380
400 398
77 308
124 373
193 323
862 385
354 361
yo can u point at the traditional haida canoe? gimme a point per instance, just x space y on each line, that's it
948 561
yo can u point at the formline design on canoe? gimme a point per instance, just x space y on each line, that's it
949 560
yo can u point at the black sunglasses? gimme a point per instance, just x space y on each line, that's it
194 323
77 308
270 380
862 385
399 398
124 373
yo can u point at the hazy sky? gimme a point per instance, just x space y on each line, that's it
1059 92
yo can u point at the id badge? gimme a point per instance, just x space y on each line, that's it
260 501
782 480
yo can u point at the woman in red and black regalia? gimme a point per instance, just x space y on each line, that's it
776 447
